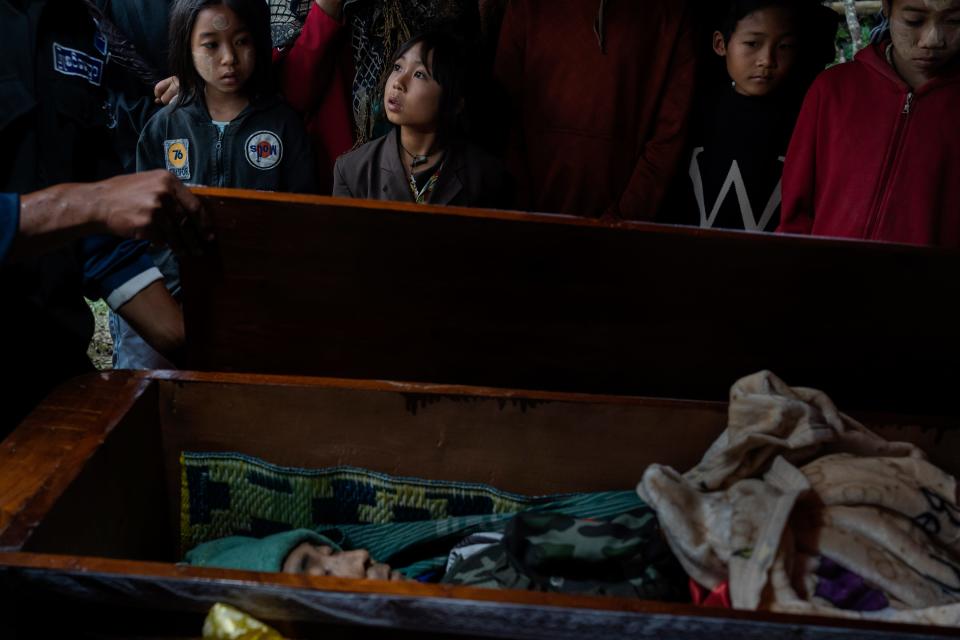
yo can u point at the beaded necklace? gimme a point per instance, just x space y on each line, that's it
421 196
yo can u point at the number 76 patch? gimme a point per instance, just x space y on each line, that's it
177 156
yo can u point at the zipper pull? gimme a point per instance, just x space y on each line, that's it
908 105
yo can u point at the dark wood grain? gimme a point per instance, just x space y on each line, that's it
516 444
522 441
341 288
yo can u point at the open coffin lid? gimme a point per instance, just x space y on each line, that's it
90 502
392 291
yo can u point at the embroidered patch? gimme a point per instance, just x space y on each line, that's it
177 155
71 62
264 150
100 43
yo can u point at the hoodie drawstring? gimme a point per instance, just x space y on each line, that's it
600 26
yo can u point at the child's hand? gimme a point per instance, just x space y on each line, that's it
166 90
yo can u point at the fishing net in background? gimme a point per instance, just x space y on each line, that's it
286 20
122 52
377 28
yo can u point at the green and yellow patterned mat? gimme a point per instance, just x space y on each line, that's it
227 494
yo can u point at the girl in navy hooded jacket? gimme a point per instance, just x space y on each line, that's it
227 127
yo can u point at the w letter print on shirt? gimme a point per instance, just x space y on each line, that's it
734 179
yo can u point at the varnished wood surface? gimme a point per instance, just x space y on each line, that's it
373 290
439 609
531 443
42 457
115 506
517 444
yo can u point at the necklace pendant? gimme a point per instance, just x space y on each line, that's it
418 160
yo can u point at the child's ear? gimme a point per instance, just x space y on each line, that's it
719 44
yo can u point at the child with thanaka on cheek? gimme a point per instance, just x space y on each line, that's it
424 158
876 152
227 127
744 116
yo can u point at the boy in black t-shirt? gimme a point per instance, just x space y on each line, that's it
742 123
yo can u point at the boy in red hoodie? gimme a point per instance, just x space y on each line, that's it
876 152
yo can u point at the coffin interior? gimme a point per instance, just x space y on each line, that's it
125 501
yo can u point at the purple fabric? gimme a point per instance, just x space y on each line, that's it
846 590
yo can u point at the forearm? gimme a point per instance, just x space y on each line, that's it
153 206
156 316
53 217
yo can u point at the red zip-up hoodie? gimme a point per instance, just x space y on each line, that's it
873 160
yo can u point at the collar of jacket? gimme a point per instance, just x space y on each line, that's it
198 109
398 179
874 57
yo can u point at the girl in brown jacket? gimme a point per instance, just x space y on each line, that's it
423 159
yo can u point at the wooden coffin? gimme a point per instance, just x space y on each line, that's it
376 290
89 503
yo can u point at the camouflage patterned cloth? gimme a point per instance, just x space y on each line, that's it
624 556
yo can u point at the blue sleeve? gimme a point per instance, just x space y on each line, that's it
9 222
116 269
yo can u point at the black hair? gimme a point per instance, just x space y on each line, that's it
816 28
255 15
737 10
449 67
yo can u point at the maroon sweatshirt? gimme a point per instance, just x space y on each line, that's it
600 91
871 159
315 75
